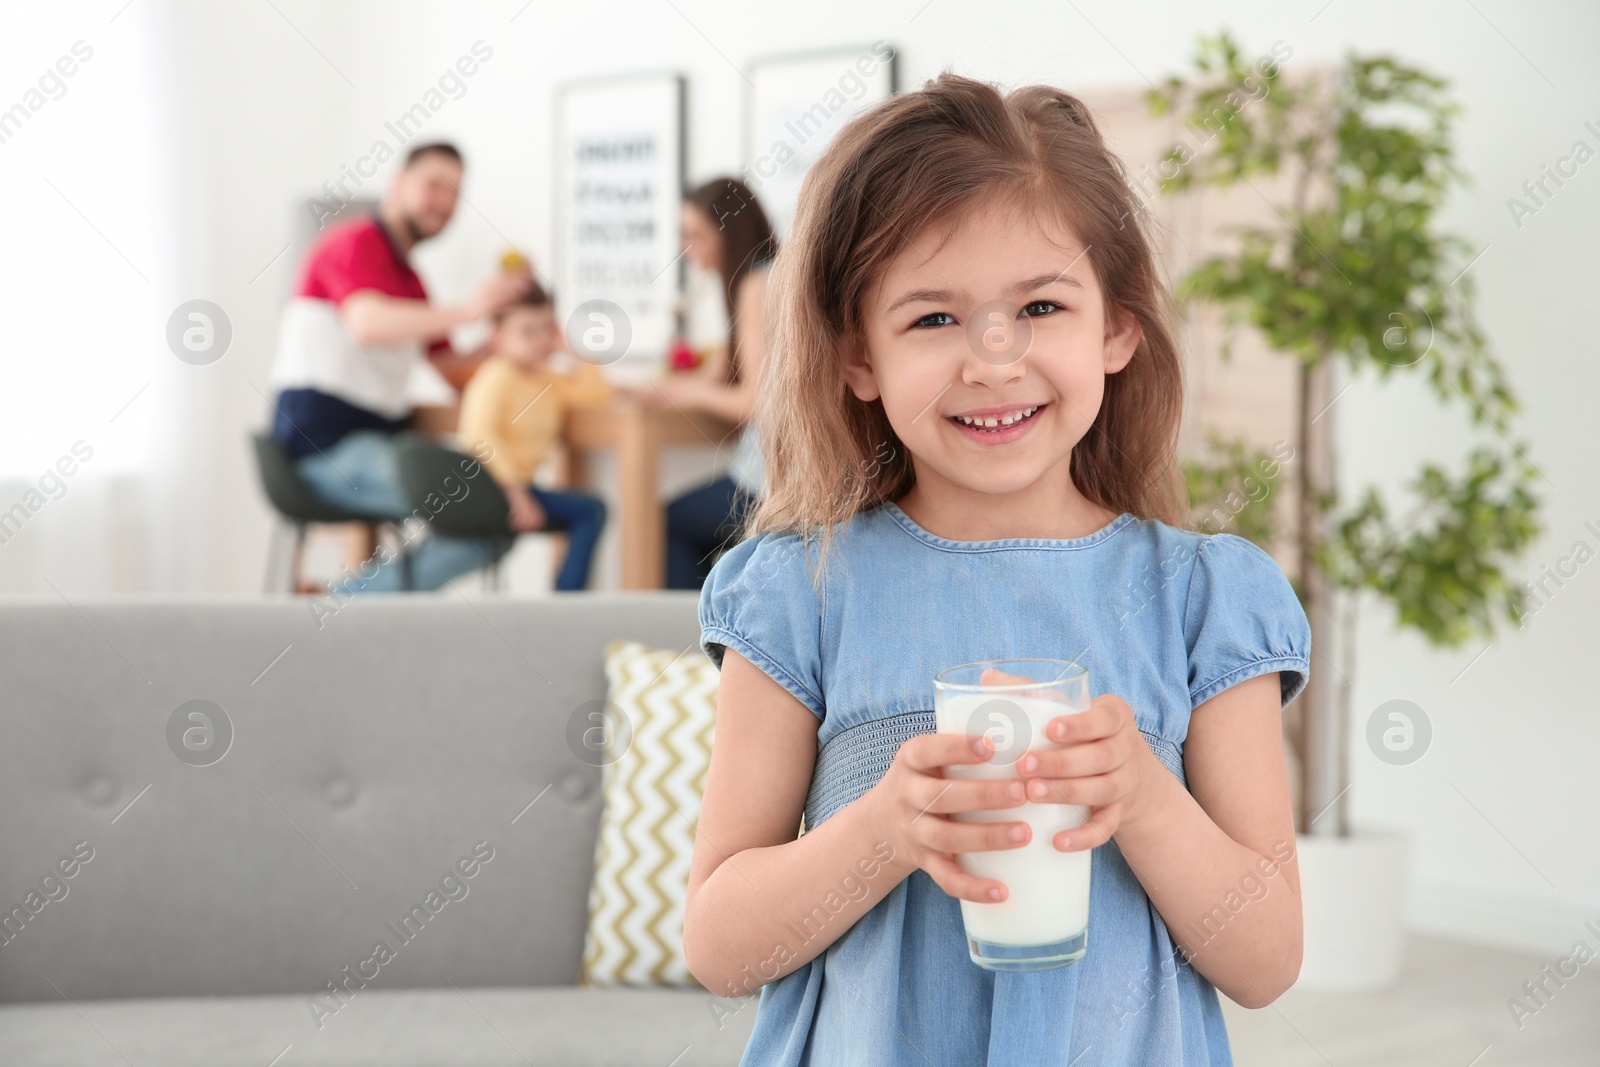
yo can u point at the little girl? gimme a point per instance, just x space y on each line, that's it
969 418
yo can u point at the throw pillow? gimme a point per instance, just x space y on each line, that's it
656 752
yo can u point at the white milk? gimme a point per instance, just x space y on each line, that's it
1048 890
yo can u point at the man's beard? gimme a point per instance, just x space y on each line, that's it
414 231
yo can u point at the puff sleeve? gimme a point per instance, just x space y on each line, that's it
759 601
1242 618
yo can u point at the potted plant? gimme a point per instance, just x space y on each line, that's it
1353 274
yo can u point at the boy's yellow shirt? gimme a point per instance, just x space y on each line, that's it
518 414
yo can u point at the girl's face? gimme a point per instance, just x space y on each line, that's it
702 240
989 351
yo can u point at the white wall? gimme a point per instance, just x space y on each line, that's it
1504 805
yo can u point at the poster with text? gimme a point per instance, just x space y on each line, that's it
619 175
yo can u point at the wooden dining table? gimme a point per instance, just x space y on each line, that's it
639 434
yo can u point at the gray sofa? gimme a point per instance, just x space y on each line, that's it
164 907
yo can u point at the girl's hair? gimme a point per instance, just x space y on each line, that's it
747 243
922 159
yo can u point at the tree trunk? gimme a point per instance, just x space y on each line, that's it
1322 735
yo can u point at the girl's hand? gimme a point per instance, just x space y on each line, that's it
1106 765
685 391
913 801
657 395
634 391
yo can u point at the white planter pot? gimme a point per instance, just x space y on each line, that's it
1354 892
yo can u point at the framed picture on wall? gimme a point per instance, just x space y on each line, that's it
618 185
794 104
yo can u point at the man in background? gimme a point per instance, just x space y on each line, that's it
354 330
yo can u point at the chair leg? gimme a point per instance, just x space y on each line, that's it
297 557
496 556
269 582
407 583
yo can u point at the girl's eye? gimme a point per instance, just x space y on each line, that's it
1034 310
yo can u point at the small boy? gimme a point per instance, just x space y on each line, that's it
512 411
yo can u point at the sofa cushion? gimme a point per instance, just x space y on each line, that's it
656 745
466 1027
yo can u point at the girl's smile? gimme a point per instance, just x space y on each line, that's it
997 426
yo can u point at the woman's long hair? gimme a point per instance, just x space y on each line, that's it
927 158
747 243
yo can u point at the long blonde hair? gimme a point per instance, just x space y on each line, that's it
921 159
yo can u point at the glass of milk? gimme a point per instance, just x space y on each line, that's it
1044 920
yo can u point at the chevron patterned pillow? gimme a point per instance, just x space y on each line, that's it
656 748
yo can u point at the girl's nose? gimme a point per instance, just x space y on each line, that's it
998 338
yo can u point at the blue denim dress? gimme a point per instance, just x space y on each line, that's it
1164 618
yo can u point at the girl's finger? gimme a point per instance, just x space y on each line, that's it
943 834
1101 789
945 796
1075 761
926 753
1100 720
949 876
996 676
1097 831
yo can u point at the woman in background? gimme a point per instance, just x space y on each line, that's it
724 229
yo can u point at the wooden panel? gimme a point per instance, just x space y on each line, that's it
1254 394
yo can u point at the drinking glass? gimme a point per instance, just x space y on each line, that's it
1044 920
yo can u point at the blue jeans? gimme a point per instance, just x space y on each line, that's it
700 524
362 473
581 517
